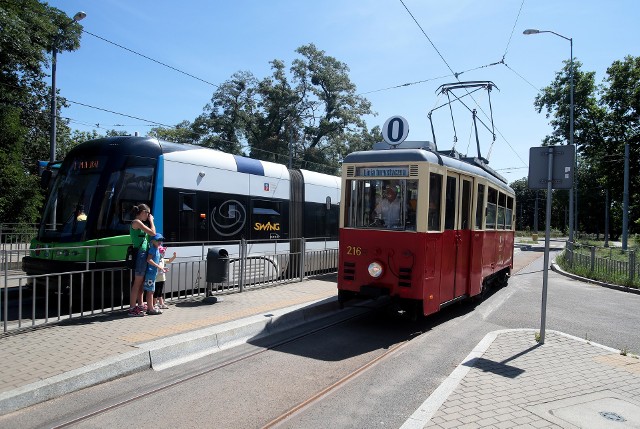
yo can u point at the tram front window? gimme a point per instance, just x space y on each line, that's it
382 204
65 215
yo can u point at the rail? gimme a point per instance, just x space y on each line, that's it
28 301
598 262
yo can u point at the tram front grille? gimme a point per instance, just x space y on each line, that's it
404 277
349 271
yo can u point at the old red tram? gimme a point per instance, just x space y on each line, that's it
427 228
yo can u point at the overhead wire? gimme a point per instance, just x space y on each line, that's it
120 114
405 84
457 74
151 59
425 35
513 29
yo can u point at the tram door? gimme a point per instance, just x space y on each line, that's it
456 237
463 247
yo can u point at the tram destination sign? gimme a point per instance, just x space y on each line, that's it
562 167
382 171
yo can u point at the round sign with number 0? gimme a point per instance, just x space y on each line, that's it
395 130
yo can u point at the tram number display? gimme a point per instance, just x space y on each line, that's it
354 250
88 164
395 130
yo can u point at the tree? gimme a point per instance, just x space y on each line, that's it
620 96
312 111
223 123
29 30
182 133
330 110
605 117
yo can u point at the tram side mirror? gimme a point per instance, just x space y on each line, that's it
328 203
45 178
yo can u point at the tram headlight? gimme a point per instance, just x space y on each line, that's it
375 269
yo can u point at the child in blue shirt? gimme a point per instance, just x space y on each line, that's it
153 265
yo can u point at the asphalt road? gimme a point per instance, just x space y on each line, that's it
251 385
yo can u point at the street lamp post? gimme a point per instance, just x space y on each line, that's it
54 53
571 191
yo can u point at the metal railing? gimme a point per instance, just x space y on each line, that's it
612 262
16 236
28 301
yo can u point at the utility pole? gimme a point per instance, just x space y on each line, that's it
625 199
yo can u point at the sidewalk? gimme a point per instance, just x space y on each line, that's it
509 380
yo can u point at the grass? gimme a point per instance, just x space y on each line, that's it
585 271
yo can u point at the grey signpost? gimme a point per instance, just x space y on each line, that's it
550 167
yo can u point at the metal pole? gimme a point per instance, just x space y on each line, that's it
572 210
625 199
535 214
547 237
606 218
52 141
573 214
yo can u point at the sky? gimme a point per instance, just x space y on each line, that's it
379 40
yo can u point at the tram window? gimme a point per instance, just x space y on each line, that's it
502 202
320 222
361 203
492 208
479 206
412 204
186 210
450 204
266 219
509 213
381 204
465 215
125 188
435 193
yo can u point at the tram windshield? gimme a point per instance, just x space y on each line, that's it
382 204
92 198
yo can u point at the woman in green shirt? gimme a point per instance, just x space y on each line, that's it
140 233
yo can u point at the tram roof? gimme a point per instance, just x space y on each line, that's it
470 165
133 145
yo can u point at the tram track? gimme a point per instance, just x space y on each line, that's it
327 390
174 383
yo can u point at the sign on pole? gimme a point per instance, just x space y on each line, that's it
550 167
563 171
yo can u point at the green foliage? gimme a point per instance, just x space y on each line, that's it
29 30
182 133
311 111
582 267
20 199
606 117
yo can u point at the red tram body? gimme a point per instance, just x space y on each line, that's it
448 237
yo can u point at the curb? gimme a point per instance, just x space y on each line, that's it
555 267
74 380
174 350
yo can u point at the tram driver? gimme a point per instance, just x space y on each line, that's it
389 208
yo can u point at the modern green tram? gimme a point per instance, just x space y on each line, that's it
197 195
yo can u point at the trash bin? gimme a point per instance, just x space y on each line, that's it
217 265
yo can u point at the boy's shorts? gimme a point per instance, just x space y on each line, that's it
149 285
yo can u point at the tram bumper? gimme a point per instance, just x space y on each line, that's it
374 291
